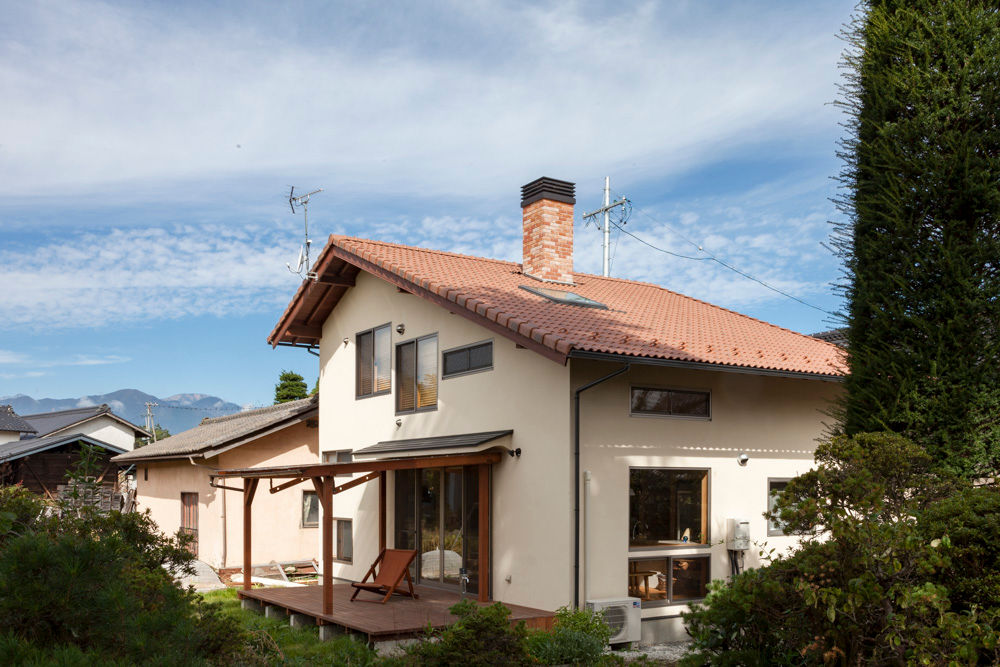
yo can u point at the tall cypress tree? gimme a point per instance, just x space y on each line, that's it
921 243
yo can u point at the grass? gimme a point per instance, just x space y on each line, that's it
275 642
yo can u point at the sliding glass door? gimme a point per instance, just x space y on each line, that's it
438 509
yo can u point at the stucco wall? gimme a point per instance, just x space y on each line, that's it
776 421
109 430
277 533
9 436
524 391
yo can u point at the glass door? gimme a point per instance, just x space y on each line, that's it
438 508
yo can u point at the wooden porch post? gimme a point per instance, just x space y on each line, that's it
324 489
249 489
484 532
381 511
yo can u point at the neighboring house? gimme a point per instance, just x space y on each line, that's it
638 420
50 447
173 483
836 336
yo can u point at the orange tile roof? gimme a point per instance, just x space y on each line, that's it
642 320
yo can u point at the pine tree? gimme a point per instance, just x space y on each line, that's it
291 387
922 239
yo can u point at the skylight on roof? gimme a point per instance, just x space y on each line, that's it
568 298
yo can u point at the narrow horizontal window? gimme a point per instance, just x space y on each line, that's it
670 402
668 579
467 359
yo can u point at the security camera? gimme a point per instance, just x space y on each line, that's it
743 459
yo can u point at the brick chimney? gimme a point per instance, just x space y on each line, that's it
547 206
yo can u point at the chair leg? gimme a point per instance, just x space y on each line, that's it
356 591
387 596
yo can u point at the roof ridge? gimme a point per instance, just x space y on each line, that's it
257 411
91 408
432 251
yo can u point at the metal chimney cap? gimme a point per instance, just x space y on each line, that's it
548 188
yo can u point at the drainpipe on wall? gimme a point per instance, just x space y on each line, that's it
576 476
222 564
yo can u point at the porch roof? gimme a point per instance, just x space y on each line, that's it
379 465
437 442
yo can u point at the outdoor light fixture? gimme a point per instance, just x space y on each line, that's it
400 329
743 459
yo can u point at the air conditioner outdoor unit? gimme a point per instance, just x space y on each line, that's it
623 616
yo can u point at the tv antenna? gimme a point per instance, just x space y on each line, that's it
302 267
623 216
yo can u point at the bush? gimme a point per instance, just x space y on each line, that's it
578 637
888 545
481 636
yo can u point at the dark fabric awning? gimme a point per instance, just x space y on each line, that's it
443 442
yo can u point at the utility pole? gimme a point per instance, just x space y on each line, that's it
606 211
150 422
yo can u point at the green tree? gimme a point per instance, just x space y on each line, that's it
161 434
921 239
291 387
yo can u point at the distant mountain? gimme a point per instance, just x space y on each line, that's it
175 413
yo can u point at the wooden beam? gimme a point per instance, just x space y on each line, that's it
355 482
346 281
248 493
287 485
304 331
328 546
381 511
330 469
484 532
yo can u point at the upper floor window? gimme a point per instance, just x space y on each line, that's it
467 359
374 361
416 374
671 402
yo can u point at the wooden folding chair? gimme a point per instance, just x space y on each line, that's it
393 565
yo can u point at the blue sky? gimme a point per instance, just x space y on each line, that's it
146 152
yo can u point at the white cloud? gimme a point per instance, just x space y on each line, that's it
130 97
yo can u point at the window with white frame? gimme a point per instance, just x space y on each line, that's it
774 488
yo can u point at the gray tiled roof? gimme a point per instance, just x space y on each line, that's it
220 431
18 448
50 422
439 442
9 421
835 336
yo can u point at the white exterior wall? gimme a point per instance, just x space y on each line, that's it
9 436
532 496
776 421
108 430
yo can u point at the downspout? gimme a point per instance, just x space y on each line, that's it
222 565
576 476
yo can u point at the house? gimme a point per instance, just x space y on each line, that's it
173 483
545 437
48 446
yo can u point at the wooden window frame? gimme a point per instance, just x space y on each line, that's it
665 415
336 529
357 363
488 341
706 511
437 375
302 519
669 600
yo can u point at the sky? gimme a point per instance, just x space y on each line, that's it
147 151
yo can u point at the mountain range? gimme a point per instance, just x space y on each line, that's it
175 413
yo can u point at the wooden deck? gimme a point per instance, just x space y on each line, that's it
398 618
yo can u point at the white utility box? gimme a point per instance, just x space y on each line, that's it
623 616
737 534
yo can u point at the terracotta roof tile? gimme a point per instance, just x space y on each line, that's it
642 320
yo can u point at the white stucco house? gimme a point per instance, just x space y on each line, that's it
634 422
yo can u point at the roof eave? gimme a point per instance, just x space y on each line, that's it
702 365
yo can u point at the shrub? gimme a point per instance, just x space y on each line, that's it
578 637
874 579
481 636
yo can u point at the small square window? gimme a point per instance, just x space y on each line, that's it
310 509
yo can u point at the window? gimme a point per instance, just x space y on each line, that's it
345 540
668 579
416 375
374 361
774 487
667 507
342 456
310 509
468 359
568 298
671 402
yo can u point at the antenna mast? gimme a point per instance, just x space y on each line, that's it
605 210
302 269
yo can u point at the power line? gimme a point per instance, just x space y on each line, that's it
712 258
